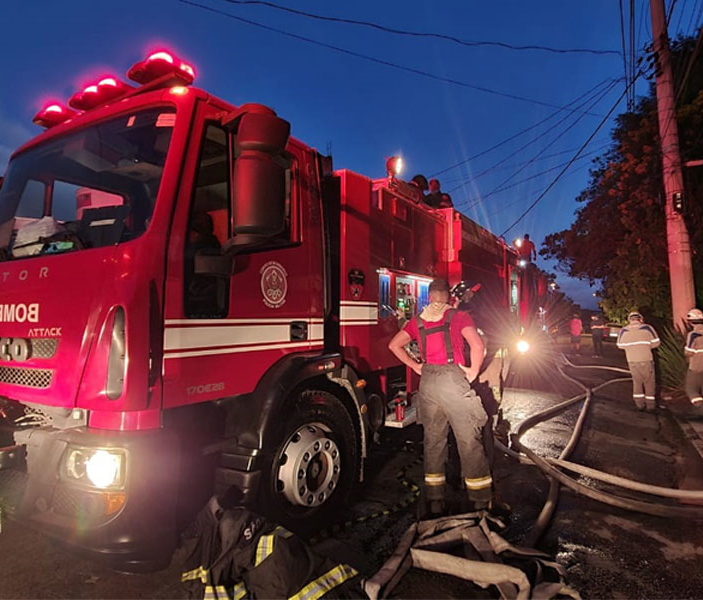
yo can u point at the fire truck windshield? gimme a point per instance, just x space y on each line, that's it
95 187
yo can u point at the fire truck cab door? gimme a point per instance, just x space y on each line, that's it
222 333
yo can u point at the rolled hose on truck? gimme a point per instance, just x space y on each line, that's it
549 465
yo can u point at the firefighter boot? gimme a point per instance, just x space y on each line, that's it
432 503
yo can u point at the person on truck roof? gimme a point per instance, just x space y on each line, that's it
436 198
446 397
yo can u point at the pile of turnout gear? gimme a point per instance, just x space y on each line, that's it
235 553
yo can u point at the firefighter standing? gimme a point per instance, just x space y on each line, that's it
597 331
694 353
637 340
446 397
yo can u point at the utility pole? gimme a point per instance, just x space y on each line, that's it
679 247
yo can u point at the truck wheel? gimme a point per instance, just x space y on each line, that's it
314 464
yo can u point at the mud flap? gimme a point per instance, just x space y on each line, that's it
466 547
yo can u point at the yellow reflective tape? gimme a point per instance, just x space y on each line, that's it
209 593
435 478
239 591
282 532
264 548
478 483
199 573
323 584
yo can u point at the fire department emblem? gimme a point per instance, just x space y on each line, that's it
356 283
274 284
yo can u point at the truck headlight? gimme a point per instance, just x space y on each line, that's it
101 468
523 346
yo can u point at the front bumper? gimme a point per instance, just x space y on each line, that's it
136 531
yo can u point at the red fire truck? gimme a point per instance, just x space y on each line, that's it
193 300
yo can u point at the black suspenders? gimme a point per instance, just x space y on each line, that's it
444 327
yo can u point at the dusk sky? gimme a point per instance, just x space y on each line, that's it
363 109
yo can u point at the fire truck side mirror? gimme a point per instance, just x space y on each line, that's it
259 188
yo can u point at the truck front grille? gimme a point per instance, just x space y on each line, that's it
44 347
33 378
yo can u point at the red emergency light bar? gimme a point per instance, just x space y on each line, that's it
108 88
53 114
159 64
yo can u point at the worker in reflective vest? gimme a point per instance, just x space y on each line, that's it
638 339
694 353
445 397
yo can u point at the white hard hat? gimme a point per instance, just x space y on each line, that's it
634 315
695 314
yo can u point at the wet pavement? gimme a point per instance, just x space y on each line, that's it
608 552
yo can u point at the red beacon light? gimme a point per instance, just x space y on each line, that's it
53 114
98 93
157 65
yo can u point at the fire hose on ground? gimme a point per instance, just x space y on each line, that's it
556 476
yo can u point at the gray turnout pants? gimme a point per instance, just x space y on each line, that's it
643 384
694 386
445 398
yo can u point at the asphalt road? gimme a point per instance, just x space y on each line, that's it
608 553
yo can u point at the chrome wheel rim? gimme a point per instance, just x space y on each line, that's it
309 466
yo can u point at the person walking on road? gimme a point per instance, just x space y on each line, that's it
638 339
576 329
694 353
446 398
597 331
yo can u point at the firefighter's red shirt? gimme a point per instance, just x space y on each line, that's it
436 350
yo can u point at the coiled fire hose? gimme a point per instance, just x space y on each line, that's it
556 476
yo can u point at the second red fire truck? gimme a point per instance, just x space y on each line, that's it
193 300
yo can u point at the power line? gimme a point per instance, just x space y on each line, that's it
519 133
441 36
624 50
573 159
689 67
373 59
631 101
545 133
503 188
518 200
515 165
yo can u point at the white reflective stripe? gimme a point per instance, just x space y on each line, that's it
654 340
323 584
190 338
623 344
358 312
649 397
234 350
264 548
250 321
694 350
638 395
696 400
199 573
239 591
435 478
478 484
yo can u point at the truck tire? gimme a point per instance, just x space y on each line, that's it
314 464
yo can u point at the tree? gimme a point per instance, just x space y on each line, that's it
619 236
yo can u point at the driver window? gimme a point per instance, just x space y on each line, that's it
31 204
206 296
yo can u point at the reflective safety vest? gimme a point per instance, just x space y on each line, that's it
237 554
431 329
